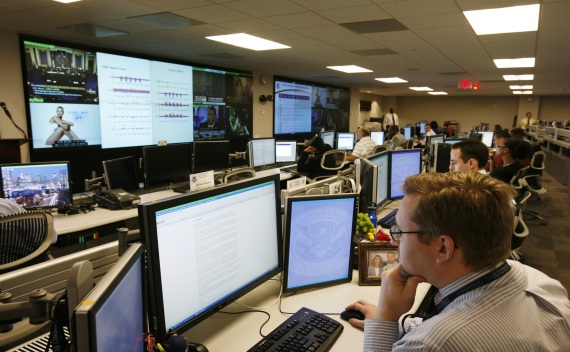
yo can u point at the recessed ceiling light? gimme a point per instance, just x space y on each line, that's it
528 86
421 89
391 80
437 93
504 20
518 77
349 69
248 41
66 1
510 63
522 91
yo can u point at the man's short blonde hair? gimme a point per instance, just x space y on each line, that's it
472 208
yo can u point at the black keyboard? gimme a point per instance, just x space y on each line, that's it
306 330
388 220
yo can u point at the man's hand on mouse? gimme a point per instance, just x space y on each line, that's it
366 308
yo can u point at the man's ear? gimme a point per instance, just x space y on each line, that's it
446 248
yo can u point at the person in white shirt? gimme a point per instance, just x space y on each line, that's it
429 131
365 145
390 119
528 120
469 155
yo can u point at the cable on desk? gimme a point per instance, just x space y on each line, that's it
253 311
271 305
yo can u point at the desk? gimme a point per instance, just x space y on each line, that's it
241 331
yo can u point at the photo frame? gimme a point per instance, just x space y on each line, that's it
373 259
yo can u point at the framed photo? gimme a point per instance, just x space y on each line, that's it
373 259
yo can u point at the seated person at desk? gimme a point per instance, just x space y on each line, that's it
498 139
429 131
309 162
396 138
469 155
511 150
364 146
485 302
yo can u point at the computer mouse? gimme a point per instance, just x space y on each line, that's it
196 347
352 313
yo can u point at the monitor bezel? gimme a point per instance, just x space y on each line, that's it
83 320
367 166
70 189
147 221
286 231
176 149
384 154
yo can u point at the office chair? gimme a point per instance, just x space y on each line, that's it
409 144
531 181
25 239
379 148
331 160
520 229
238 174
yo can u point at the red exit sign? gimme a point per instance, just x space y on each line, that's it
465 84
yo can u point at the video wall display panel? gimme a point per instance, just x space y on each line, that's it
79 97
305 107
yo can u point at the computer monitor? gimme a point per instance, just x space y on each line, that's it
167 164
422 126
208 248
121 173
318 240
261 152
487 138
285 151
345 140
39 185
403 163
367 182
210 155
377 137
476 135
439 138
328 137
382 162
408 132
453 140
112 315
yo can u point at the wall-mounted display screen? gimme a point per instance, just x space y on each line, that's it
87 97
305 107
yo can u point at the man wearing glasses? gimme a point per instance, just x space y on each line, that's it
511 150
454 231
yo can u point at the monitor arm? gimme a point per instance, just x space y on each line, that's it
38 309
94 183
238 155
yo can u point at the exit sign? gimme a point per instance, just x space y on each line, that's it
465 84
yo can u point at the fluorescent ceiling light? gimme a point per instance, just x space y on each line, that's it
504 20
510 63
66 1
437 93
421 89
522 91
518 77
248 41
391 80
349 69
528 86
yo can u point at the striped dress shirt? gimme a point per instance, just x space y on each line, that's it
524 310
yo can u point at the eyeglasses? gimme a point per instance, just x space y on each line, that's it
396 233
500 146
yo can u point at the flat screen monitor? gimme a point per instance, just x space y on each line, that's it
368 184
211 155
382 162
487 138
285 151
345 140
439 138
37 185
318 240
208 248
403 163
476 135
422 126
453 140
121 173
166 164
261 152
112 315
377 137
408 132
328 138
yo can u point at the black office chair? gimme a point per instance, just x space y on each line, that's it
520 229
379 148
410 144
25 239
